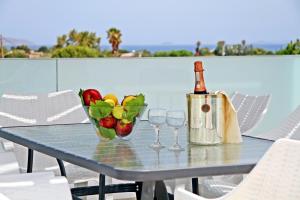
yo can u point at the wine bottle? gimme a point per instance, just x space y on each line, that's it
199 79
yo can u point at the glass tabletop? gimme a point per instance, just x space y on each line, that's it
134 159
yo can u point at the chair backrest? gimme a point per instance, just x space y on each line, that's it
289 128
237 99
41 109
250 109
62 107
276 176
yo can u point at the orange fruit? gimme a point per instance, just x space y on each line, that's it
110 101
111 97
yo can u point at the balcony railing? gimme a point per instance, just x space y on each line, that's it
164 81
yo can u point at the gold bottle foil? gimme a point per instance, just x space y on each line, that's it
205 119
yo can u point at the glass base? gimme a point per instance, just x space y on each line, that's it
156 146
176 147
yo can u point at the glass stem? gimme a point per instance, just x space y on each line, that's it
157 134
176 136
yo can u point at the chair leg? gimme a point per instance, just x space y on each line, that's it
82 184
101 187
195 186
61 167
139 190
30 160
75 197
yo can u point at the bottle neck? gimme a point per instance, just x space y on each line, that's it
199 83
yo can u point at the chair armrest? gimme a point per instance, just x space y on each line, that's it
7 145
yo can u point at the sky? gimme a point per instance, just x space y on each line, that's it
154 22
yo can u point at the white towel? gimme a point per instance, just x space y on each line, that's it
232 133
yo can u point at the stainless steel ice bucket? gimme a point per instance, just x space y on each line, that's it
205 118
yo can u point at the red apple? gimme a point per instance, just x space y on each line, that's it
91 95
123 129
108 122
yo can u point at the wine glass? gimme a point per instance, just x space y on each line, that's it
176 119
157 117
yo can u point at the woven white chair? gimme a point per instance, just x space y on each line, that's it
289 128
34 186
8 163
44 109
250 109
62 107
275 177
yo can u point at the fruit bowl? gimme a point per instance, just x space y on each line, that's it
109 118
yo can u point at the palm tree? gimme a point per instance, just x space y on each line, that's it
73 38
197 50
94 41
61 41
114 38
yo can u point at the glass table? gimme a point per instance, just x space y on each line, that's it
133 160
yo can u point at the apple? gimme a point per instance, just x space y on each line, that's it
108 122
91 95
123 129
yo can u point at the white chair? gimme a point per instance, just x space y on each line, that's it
8 163
289 128
44 109
250 109
62 107
275 177
34 186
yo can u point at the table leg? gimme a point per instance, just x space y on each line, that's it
160 191
195 186
30 160
154 190
101 187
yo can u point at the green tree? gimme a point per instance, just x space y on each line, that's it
74 38
105 53
22 47
292 48
220 49
205 52
181 53
61 41
259 51
17 53
174 53
4 51
76 52
161 54
43 49
114 38
146 53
